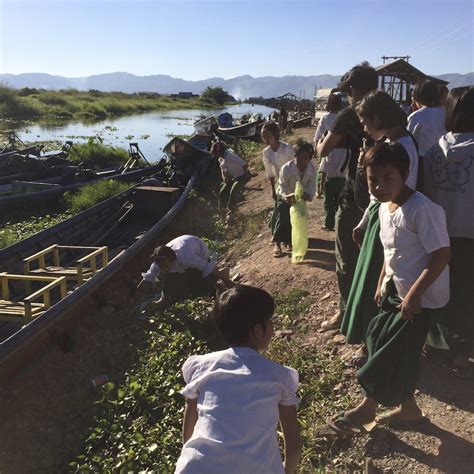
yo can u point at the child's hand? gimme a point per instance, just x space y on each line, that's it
290 199
358 235
410 306
378 296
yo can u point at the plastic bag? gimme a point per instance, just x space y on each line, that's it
299 226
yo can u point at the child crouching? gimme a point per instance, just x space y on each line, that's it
235 397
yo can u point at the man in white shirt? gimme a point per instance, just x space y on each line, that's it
186 270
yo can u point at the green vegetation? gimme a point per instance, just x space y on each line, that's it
91 194
96 155
217 95
16 231
30 103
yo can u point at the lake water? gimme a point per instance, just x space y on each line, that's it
152 131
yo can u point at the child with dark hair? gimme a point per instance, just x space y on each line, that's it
235 397
413 285
332 169
427 122
234 171
301 169
275 155
382 119
449 182
347 132
185 269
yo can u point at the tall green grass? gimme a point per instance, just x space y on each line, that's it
96 155
91 194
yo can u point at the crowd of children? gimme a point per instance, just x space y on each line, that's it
403 263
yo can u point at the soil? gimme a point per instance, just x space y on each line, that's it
43 417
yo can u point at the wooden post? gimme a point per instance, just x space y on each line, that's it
5 289
56 256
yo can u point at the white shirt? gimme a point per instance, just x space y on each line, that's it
238 392
191 252
290 175
427 126
409 235
332 163
409 145
232 165
274 160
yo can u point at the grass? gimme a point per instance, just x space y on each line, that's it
67 104
96 155
91 194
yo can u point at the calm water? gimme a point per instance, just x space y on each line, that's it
152 131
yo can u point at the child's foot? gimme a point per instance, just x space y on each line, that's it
355 421
409 413
332 323
277 252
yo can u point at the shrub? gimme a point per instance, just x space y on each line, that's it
96 155
91 194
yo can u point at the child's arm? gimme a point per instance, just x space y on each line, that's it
378 292
291 434
411 304
190 418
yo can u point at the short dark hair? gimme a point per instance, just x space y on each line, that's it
334 102
303 146
238 310
218 147
163 252
443 93
362 77
460 110
379 107
273 128
384 154
426 92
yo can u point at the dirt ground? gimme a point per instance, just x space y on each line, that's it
42 422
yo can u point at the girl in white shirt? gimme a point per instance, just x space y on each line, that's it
235 397
275 155
413 285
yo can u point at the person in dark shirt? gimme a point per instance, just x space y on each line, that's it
347 132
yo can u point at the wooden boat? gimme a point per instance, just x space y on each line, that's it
67 182
302 122
204 125
247 130
110 233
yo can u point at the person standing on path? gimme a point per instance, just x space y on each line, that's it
347 131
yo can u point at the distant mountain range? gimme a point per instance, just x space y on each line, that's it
240 87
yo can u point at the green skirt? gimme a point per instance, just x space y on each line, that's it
394 345
280 222
361 307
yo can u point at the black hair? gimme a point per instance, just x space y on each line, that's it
218 147
443 93
426 92
459 107
304 147
238 310
273 128
384 154
382 110
362 77
334 102
163 252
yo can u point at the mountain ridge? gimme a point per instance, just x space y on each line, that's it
240 86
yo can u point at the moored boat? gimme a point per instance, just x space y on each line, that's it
204 125
247 130
91 247
302 122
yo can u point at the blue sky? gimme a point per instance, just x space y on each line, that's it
227 38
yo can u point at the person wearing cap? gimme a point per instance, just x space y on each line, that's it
185 269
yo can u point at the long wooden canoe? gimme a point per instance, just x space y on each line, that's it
126 224
247 130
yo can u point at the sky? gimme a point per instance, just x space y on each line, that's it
199 39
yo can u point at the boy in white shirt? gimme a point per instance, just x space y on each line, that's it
413 284
185 268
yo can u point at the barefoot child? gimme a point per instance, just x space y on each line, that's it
275 155
235 397
413 284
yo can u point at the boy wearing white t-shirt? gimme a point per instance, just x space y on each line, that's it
413 284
